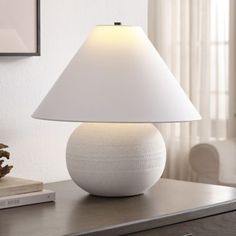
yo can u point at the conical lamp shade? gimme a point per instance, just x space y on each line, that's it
117 76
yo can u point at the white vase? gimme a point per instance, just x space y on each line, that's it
112 160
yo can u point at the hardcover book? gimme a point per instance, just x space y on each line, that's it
12 186
27 199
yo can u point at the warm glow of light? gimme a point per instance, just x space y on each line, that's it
114 35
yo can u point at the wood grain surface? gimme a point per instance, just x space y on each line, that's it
217 225
78 213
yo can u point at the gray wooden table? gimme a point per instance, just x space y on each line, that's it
170 208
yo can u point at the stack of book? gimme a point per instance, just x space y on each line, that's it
19 192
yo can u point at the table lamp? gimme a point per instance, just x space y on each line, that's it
117 85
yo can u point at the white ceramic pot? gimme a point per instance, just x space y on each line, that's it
115 159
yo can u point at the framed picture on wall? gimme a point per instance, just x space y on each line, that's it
19 27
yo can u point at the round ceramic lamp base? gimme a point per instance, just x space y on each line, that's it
115 160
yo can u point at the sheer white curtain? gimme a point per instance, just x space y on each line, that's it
196 38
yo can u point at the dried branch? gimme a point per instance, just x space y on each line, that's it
4 154
4 170
3 146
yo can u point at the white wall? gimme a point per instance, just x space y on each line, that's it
38 147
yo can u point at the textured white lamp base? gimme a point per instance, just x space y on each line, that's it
115 159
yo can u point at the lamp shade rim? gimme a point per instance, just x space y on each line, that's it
115 121
106 25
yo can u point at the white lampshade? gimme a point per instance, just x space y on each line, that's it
117 76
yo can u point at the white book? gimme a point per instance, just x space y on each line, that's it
13 186
27 199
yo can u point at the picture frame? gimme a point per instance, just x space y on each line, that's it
20 28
